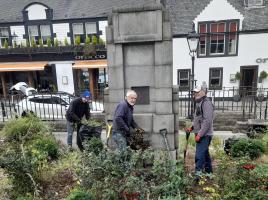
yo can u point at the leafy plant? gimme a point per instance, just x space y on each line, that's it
5 44
49 42
263 74
101 41
66 43
94 145
40 42
238 76
80 194
33 43
87 40
56 42
93 122
251 148
94 40
77 40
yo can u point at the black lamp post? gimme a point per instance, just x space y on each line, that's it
193 41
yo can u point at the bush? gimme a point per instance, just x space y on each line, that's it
94 145
80 194
77 40
49 42
251 148
56 42
94 40
66 43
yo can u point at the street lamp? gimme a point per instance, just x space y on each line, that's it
193 41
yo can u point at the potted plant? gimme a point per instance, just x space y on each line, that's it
260 96
236 96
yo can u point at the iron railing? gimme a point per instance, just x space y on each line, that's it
52 106
252 102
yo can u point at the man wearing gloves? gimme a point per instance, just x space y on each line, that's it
123 120
203 129
78 108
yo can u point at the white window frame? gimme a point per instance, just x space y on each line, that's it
36 37
81 34
44 37
205 36
4 37
91 32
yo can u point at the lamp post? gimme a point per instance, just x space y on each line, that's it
193 41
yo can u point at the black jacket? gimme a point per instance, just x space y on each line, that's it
123 117
77 110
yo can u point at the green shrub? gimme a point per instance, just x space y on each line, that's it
49 42
101 41
5 44
87 40
77 40
56 43
66 43
80 194
251 148
94 40
33 43
40 42
94 145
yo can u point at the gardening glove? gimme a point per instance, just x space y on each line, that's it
189 130
197 138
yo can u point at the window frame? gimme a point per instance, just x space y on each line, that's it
226 36
82 35
45 37
219 87
183 88
2 38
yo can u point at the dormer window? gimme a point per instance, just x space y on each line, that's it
253 3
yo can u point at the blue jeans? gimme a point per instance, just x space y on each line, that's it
202 157
120 140
70 131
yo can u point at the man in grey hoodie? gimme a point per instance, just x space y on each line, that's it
203 129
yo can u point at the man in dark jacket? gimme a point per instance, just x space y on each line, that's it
78 108
123 120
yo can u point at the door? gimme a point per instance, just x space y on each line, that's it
248 82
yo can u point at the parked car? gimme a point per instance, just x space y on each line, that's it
51 106
47 106
23 89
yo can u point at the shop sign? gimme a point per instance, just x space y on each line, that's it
262 60
90 57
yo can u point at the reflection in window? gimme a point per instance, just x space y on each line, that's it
203 39
91 28
3 35
217 38
78 31
45 33
33 34
232 38
184 78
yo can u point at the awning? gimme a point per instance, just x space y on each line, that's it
22 66
92 64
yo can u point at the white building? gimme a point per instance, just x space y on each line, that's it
233 38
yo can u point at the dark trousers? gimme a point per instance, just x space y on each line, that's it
202 157
79 138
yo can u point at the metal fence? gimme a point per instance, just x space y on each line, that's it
52 106
250 101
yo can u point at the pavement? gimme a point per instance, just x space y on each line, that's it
62 136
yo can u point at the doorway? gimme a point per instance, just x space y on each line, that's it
248 82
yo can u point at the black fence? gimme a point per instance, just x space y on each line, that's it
250 101
52 106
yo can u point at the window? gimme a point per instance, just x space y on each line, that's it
33 34
253 3
218 38
45 33
215 78
78 31
203 39
232 38
184 78
91 28
4 36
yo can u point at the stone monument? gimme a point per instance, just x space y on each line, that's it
139 51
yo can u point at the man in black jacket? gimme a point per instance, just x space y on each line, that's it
78 108
123 120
